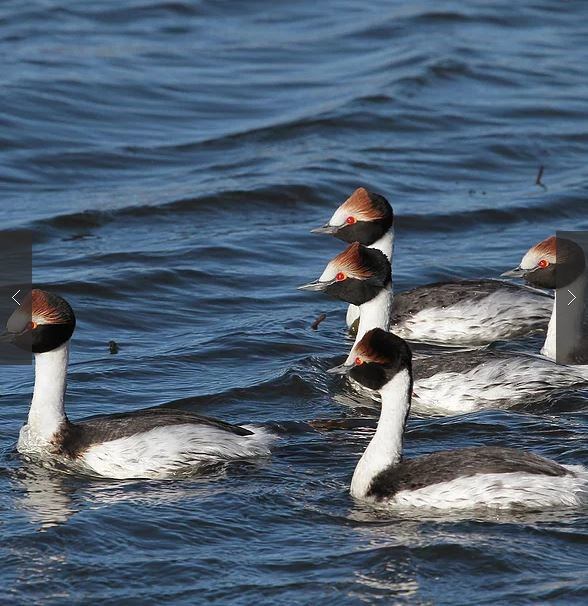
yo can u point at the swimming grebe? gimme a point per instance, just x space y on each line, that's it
149 443
361 276
367 218
491 477
457 312
460 381
540 265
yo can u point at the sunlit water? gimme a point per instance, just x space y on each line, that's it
171 158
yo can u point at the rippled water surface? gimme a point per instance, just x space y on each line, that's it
171 158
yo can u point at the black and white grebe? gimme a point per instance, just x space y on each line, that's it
539 266
469 478
361 276
367 218
459 381
149 443
467 381
458 312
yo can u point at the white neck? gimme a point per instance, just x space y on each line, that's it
47 407
385 244
385 448
549 347
571 318
374 314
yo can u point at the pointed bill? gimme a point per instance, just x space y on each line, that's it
342 369
517 272
316 286
325 229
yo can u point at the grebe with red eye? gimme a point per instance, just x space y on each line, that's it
469 478
149 443
461 381
367 218
539 267
469 381
459 312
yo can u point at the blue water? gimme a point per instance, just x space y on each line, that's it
171 158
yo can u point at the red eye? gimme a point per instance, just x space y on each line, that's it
350 220
543 263
31 326
340 276
358 361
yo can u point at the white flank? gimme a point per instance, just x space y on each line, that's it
164 451
497 383
157 453
499 491
500 315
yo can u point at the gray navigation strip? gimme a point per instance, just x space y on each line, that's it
16 267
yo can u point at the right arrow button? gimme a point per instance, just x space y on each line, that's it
573 297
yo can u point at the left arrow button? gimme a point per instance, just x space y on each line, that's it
14 296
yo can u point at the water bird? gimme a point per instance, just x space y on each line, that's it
560 263
468 478
468 380
456 312
148 443
365 217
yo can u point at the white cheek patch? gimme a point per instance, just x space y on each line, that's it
530 260
331 270
351 357
339 217
352 354
19 320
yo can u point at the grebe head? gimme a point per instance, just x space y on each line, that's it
377 359
549 258
43 322
364 217
356 275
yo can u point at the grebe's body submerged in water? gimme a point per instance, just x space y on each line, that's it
458 312
150 443
469 478
460 381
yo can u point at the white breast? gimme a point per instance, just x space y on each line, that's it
163 451
31 443
352 315
499 491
